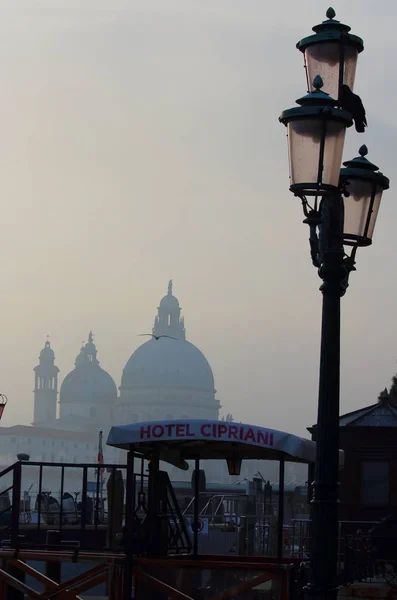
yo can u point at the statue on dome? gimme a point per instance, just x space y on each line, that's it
170 287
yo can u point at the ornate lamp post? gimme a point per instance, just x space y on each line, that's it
340 206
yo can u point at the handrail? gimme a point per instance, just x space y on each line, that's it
221 563
36 463
8 469
179 514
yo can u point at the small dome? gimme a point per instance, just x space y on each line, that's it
47 353
169 301
88 383
170 363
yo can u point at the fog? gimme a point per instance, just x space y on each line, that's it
140 142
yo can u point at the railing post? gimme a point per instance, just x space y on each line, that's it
196 507
16 501
53 568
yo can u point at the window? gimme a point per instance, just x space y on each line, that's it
375 482
29 441
44 442
92 411
13 439
74 445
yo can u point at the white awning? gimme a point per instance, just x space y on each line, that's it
178 441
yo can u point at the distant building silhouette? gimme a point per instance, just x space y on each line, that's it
163 379
45 388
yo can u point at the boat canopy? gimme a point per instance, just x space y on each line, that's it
177 441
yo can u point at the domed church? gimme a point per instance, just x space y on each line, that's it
167 377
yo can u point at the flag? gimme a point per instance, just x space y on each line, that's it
100 452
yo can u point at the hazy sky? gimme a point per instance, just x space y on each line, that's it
140 142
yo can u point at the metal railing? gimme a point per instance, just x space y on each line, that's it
78 504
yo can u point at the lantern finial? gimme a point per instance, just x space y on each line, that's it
363 151
318 82
330 14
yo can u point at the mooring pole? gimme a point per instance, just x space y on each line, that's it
196 505
280 521
129 525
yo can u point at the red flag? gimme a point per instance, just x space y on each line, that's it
100 451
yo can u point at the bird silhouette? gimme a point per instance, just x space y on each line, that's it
157 337
353 104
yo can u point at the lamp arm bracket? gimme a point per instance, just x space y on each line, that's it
313 219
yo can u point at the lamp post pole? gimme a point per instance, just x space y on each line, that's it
341 207
324 503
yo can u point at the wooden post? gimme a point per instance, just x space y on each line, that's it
115 495
11 592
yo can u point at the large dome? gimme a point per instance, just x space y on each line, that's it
88 384
169 363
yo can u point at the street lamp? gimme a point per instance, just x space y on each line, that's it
340 207
364 186
316 134
332 53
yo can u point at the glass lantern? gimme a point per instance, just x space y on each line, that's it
316 134
331 53
363 185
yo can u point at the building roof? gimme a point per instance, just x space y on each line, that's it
375 415
43 432
381 414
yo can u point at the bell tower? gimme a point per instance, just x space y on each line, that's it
45 388
168 320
